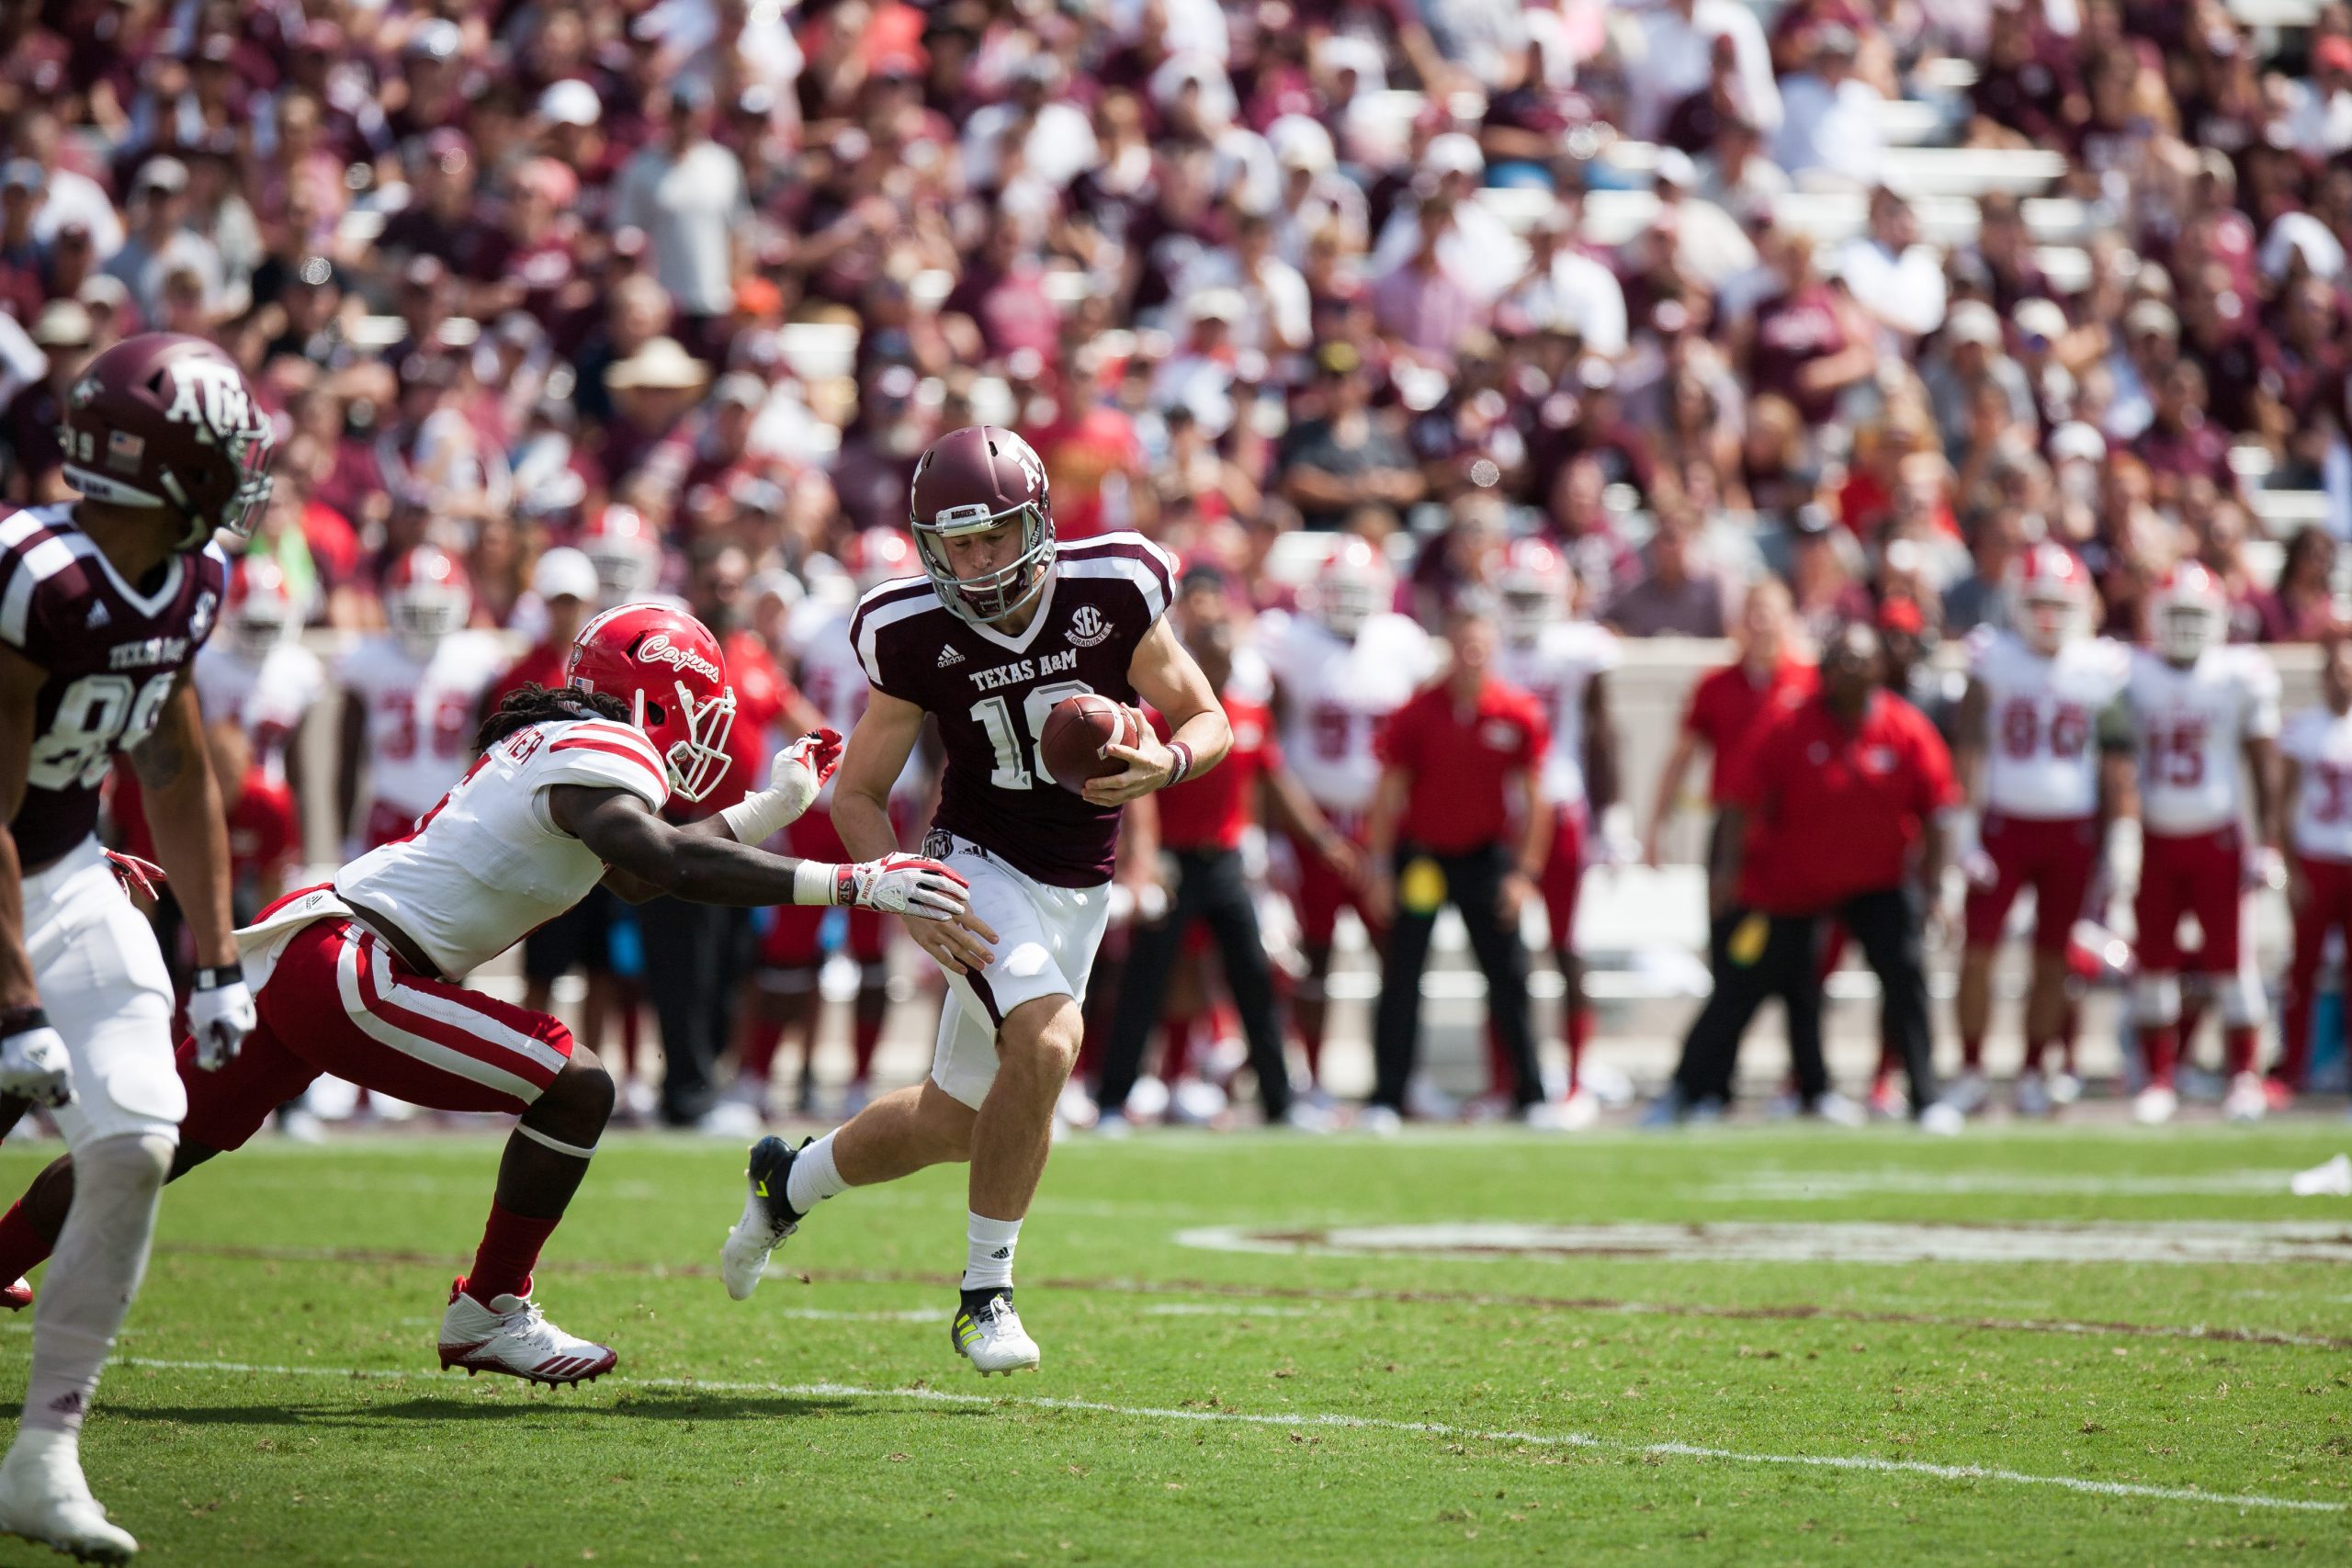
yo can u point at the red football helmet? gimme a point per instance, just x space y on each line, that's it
667 667
1353 585
626 551
970 481
168 420
426 597
1535 584
2188 614
2050 597
874 555
261 605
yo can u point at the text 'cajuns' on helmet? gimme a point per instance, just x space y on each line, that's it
1353 583
2050 597
2188 614
1536 585
667 667
168 421
260 609
970 481
427 596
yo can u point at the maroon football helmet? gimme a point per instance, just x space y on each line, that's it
970 481
168 421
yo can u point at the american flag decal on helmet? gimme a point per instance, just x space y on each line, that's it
125 450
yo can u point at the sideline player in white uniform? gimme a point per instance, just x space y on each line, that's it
1006 627
412 697
360 976
2040 747
2315 788
102 606
1564 662
2200 706
256 672
1340 668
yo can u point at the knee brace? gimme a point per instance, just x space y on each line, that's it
2156 998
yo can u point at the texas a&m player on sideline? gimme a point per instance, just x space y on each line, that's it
2201 706
2315 791
1340 668
412 697
2041 747
103 602
1564 663
360 976
831 676
1005 627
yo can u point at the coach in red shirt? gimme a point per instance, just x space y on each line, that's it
1200 823
1726 704
1832 809
1457 819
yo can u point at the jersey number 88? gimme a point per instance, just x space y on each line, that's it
98 716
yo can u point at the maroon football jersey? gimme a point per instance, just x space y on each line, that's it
111 651
991 693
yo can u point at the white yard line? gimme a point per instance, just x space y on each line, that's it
1863 1462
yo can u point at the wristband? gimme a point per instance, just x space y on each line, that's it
1180 766
756 818
20 1020
817 883
212 979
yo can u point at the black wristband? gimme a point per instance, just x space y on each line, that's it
212 979
20 1020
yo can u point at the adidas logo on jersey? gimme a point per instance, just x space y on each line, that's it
99 617
949 656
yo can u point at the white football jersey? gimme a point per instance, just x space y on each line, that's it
2042 719
832 678
421 713
2319 742
1558 668
1337 693
2190 726
268 697
488 864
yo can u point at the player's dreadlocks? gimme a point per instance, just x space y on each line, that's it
535 703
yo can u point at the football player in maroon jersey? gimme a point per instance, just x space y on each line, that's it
103 603
1002 626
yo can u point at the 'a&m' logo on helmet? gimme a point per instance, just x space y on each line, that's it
658 650
210 395
1088 628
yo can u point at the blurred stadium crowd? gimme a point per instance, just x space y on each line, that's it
1865 295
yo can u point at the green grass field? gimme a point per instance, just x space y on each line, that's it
276 1402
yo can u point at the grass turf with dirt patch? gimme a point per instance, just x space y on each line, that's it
1340 1401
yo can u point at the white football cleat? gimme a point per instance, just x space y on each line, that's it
992 1339
511 1336
2154 1106
44 1499
2032 1094
1836 1111
1942 1120
2064 1088
1968 1093
1380 1121
2247 1100
768 1218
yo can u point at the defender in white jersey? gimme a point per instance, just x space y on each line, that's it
256 671
2041 750
2205 723
1565 664
360 976
1340 667
1004 627
2316 793
411 697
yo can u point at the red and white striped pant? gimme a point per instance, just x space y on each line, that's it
342 1002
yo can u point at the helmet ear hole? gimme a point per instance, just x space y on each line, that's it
655 712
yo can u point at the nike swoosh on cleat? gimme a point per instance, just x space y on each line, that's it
760 1187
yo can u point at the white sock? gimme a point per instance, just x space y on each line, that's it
987 1252
814 1177
101 1255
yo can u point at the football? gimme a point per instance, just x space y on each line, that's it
1075 733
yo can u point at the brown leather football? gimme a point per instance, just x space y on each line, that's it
1075 733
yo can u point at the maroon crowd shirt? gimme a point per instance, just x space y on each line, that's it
112 650
990 694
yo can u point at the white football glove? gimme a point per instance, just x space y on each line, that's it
34 1066
219 1016
796 776
2265 867
905 885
